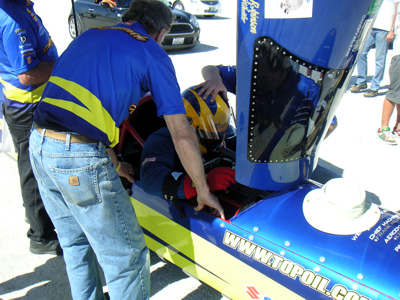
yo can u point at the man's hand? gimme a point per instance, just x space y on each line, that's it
390 36
219 179
210 200
126 170
213 84
213 87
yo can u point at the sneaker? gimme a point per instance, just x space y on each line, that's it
385 135
396 134
371 93
358 87
51 247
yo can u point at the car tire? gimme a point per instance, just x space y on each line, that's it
178 5
72 28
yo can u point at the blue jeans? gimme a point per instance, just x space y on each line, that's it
94 218
377 37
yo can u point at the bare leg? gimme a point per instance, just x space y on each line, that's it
387 111
396 127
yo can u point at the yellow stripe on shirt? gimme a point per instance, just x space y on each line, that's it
94 112
19 95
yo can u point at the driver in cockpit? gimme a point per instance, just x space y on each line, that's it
161 171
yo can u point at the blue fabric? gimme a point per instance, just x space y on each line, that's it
94 217
24 42
377 37
228 74
158 160
91 93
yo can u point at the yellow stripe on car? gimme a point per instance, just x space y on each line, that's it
218 269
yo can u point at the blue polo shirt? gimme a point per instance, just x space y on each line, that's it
100 75
24 42
228 74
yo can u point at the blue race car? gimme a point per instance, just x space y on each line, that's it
285 236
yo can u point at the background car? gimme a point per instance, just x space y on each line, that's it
198 7
184 33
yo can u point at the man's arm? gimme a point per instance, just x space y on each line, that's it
390 35
187 147
38 75
123 169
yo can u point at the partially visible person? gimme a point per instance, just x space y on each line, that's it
162 173
27 57
392 99
381 34
76 127
222 79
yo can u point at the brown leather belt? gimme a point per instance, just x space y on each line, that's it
75 138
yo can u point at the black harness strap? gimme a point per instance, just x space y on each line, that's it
170 187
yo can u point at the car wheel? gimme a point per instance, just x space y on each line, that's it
178 5
71 27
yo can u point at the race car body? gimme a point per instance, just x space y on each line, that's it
285 236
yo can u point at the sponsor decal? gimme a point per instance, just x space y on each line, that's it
249 8
135 35
18 31
392 234
149 159
288 9
254 293
288 268
132 108
23 39
386 231
49 45
29 60
33 16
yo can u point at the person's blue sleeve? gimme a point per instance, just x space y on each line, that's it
164 87
19 46
228 74
158 160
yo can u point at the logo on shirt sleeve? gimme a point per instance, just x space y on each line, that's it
23 39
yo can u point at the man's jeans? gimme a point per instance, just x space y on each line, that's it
377 37
93 216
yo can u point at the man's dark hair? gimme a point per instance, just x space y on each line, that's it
152 14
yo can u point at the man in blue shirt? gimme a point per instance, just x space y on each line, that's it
99 76
27 56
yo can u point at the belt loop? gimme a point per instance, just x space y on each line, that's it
43 133
41 141
68 142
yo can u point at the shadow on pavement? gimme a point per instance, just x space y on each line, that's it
215 18
50 279
196 49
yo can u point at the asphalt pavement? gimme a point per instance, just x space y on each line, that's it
352 151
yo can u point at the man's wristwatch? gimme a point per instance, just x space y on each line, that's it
392 29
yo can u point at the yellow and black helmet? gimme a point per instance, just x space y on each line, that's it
211 120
